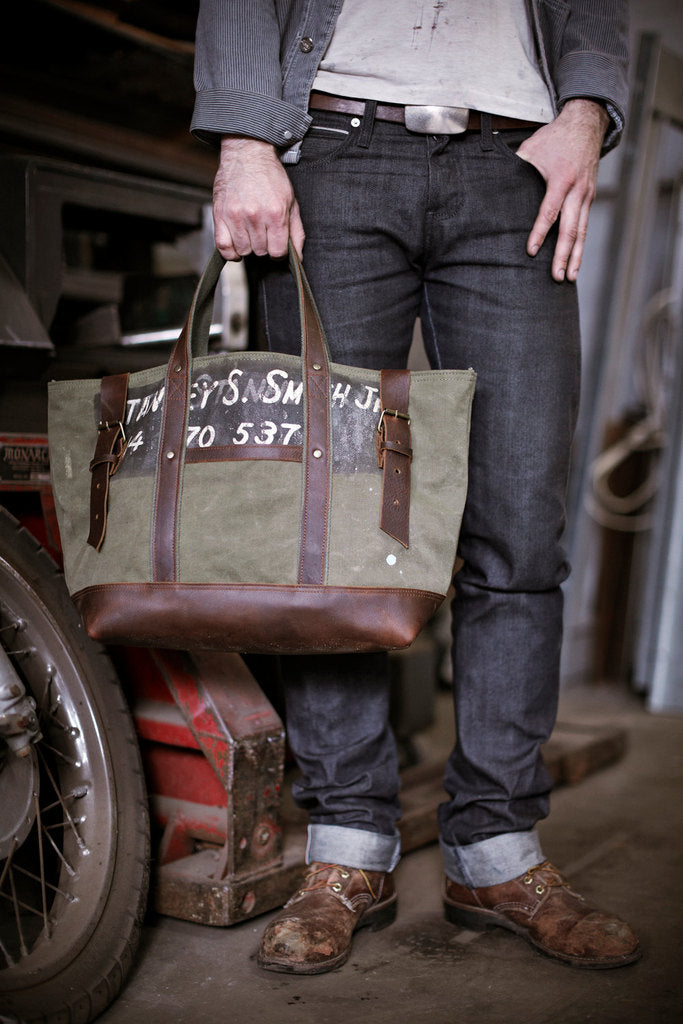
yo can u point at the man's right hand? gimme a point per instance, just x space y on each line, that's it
254 207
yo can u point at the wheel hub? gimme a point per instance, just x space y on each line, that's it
19 784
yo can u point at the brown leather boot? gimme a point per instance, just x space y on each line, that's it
313 931
541 907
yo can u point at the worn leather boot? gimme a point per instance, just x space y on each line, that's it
314 930
541 907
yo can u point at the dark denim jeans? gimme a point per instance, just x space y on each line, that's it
398 226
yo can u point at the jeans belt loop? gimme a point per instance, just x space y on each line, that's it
367 124
486 132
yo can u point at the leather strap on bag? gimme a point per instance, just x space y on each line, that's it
394 454
192 340
317 456
111 444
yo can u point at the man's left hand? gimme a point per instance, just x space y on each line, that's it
566 153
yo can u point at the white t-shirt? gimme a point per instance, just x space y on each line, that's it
461 53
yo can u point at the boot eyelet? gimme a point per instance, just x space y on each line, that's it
336 887
528 880
344 874
540 889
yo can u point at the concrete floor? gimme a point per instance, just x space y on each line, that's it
618 835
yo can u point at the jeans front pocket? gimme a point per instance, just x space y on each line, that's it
507 143
323 142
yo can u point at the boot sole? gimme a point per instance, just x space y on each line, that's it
485 920
375 919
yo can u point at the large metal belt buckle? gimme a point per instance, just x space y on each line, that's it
437 120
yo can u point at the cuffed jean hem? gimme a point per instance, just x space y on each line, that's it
492 861
352 847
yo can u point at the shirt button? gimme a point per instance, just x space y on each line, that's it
287 135
306 44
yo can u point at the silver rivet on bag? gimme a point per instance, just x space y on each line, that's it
317 454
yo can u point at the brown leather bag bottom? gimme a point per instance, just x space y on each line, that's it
256 618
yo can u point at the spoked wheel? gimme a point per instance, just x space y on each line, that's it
74 835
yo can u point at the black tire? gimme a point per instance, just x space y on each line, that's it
65 946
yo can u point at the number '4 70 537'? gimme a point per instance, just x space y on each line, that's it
204 437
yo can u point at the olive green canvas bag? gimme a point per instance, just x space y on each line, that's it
260 502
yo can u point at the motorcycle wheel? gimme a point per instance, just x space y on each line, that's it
74 831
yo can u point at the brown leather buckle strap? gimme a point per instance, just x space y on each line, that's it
109 450
396 112
394 454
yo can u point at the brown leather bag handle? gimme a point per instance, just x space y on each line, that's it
317 455
195 341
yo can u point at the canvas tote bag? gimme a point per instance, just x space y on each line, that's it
259 502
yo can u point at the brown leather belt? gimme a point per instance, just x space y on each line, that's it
396 112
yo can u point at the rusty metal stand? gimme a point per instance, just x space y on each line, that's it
214 750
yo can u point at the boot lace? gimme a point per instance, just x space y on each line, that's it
550 879
330 882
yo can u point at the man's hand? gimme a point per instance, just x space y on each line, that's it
254 208
566 152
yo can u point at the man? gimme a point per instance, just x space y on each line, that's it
440 161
